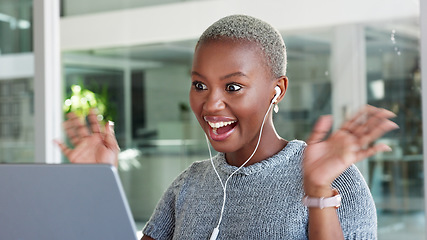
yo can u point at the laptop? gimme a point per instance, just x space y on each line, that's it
63 201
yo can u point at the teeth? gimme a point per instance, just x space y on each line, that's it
220 124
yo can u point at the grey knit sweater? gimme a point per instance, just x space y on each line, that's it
263 201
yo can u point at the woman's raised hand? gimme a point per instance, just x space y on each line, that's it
92 144
326 159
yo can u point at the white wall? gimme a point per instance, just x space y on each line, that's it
187 20
17 66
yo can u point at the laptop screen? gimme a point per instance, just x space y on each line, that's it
63 201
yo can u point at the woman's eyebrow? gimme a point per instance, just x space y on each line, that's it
194 73
235 74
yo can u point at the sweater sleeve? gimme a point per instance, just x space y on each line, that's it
162 222
357 212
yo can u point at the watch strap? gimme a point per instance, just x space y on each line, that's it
334 201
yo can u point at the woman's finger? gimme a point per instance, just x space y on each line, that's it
76 128
377 131
93 121
71 132
110 138
64 149
81 128
366 117
373 120
370 151
110 141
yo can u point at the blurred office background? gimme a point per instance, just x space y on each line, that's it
135 58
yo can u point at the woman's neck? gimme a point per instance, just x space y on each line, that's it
270 144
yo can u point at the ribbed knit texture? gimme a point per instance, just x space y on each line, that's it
263 201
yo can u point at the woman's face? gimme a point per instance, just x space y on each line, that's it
230 94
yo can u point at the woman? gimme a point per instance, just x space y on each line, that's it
253 189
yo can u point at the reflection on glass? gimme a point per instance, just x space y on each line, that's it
15 26
16 91
79 7
309 91
156 130
16 125
396 178
105 86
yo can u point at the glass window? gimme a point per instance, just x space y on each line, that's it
16 82
157 132
107 88
16 26
309 91
394 82
79 7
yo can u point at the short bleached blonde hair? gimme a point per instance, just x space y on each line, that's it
253 30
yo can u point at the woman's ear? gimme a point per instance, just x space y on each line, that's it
282 83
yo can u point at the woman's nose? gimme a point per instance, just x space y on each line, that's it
214 102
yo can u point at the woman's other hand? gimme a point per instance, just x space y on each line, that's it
326 159
92 144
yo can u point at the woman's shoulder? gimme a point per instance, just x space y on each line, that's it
195 170
352 185
198 166
293 151
350 180
357 212
295 147
353 188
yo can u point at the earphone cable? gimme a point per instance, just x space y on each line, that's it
224 185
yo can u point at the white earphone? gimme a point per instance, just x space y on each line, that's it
215 232
277 95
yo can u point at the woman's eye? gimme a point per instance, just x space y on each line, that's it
199 86
233 87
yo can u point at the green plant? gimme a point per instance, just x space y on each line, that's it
81 100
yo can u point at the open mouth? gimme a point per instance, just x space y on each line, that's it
219 130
